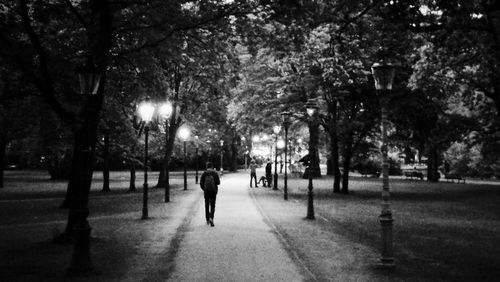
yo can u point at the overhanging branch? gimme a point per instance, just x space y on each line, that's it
45 85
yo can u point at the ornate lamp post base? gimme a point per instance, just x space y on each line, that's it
145 202
310 205
387 259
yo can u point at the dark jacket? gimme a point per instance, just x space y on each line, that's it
214 174
269 168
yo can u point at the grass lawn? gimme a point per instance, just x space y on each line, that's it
37 183
442 231
30 218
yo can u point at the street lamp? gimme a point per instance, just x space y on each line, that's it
276 130
383 75
243 139
146 111
89 77
311 108
165 111
197 147
184 135
221 156
246 157
286 124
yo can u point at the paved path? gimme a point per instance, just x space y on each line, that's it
241 246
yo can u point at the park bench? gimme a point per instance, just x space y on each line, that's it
453 176
414 174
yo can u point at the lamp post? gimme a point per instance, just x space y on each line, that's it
146 111
165 111
286 124
246 156
221 156
184 134
89 77
243 139
311 108
197 147
276 130
383 75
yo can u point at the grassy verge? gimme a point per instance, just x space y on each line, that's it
121 242
442 231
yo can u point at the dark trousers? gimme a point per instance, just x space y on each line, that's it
269 177
210 198
253 176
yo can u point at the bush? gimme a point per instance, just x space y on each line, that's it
368 167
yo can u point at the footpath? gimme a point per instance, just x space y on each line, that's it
241 246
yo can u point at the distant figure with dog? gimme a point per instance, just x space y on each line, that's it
263 180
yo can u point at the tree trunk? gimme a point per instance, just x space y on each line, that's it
3 138
334 146
234 154
3 146
69 189
99 42
131 187
433 165
492 7
329 166
78 190
105 165
163 178
345 175
59 166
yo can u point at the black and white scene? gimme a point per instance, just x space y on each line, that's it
249 140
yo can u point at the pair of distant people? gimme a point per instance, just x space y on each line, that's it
265 180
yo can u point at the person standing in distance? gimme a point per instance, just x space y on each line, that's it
253 173
209 183
269 173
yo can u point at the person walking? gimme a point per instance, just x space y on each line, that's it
269 173
253 173
209 182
